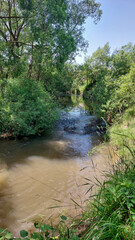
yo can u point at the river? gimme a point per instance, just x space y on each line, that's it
40 173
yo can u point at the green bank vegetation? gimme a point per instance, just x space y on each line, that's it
36 43
111 92
110 213
109 87
110 81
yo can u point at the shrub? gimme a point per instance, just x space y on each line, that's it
26 108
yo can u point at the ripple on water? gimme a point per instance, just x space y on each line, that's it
46 169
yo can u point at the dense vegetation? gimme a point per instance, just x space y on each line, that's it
37 38
37 41
109 81
109 86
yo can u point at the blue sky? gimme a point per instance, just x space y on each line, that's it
117 26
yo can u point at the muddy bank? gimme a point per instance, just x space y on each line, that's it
49 171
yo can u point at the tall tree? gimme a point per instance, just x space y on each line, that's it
44 31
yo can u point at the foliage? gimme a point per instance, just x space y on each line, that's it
26 108
111 88
122 60
38 33
58 82
37 38
122 133
44 232
111 214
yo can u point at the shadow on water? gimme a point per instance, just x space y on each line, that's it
67 141
18 151
5 201
45 168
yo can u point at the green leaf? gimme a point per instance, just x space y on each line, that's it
36 236
133 201
46 227
8 235
63 217
23 233
36 225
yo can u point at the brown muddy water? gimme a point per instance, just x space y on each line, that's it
45 172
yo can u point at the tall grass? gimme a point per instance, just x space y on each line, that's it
111 214
122 133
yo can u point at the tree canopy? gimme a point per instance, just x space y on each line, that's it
37 38
110 86
50 29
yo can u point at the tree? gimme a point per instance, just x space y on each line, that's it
97 65
122 60
111 88
46 28
36 40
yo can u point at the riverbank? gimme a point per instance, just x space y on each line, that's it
110 210
71 205
46 168
111 213
114 184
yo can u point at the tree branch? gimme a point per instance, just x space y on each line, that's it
9 17
19 29
3 35
23 43
8 28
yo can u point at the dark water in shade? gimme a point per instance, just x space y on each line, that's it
35 173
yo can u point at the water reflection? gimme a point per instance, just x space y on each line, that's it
46 168
74 101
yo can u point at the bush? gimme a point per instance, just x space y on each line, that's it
26 108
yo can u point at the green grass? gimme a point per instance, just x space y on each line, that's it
111 214
122 133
